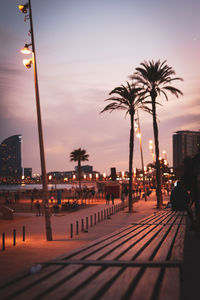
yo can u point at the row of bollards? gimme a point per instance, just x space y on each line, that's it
97 217
94 219
14 237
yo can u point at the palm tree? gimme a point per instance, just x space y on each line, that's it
155 78
127 98
79 155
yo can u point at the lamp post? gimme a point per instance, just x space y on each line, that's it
24 9
141 152
151 148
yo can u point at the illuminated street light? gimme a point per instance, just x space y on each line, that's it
24 9
151 148
142 160
27 63
26 49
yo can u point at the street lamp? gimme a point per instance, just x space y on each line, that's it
151 148
142 160
24 9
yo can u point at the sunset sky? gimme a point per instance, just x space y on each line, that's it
85 49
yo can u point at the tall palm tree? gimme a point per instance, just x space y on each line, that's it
127 98
156 78
79 155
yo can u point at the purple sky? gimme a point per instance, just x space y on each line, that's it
84 50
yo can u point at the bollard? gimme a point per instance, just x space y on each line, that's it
86 223
14 237
95 219
107 213
98 216
82 225
23 233
77 227
71 231
112 210
102 215
3 241
91 221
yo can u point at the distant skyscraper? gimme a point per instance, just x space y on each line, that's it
10 157
185 143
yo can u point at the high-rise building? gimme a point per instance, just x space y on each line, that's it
10 157
185 143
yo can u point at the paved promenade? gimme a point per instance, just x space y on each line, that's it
35 249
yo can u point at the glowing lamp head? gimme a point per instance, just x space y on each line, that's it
26 50
27 63
23 8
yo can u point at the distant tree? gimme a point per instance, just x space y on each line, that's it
127 98
155 78
79 155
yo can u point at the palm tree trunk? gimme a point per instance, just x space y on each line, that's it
79 174
158 172
131 145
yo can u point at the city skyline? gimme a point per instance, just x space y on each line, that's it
84 50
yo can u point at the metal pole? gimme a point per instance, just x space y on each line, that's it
40 134
23 233
142 160
3 241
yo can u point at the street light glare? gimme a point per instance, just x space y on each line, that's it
25 50
27 63
23 8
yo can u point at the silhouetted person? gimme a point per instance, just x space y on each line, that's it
38 208
180 199
113 198
107 198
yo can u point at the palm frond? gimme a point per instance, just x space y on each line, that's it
173 90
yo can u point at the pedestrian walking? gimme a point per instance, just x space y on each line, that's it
32 201
107 198
113 198
38 208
